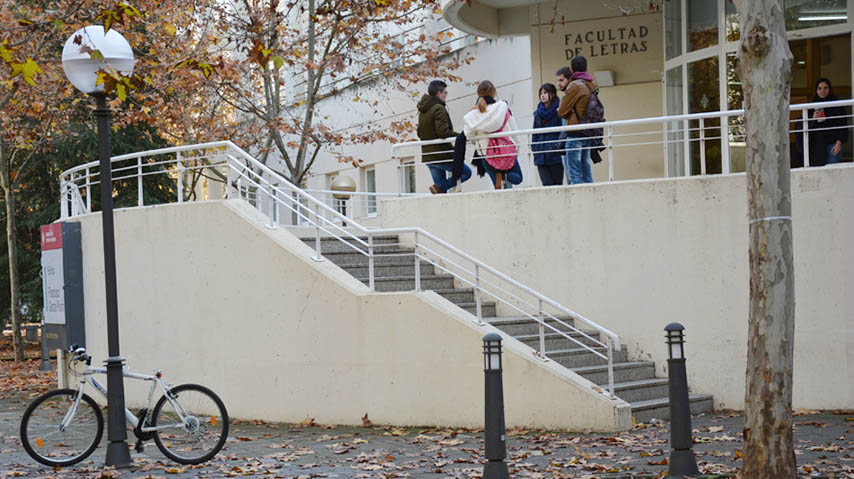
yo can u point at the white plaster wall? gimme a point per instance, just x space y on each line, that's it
505 61
211 296
634 256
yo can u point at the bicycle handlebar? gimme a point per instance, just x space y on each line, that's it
79 354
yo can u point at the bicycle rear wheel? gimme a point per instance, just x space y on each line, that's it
203 431
48 442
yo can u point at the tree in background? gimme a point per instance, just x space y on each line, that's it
274 61
37 102
766 73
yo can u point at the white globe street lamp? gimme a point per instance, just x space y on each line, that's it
85 53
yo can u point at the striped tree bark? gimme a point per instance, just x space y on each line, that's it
764 65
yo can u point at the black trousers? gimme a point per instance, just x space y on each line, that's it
551 175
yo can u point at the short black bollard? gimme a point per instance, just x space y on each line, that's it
494 430
682 460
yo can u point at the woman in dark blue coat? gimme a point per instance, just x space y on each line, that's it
547 149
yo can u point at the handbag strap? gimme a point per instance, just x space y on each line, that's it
506 119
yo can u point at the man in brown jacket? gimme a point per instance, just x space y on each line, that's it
434 123
577 85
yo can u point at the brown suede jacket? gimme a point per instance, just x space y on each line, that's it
574 101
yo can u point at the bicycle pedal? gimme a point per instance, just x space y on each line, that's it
139 447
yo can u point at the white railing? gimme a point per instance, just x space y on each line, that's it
697 143
221 169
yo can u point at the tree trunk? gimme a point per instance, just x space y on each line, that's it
12 248
765 70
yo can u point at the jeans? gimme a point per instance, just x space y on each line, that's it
441 179
513 176
831 158
551 175
576 163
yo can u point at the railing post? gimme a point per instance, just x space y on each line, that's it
417 265
63 199
686 161
371 261
610 153
139 200
477 300
230 180
317 255
180 178
273 225
542 333
725 166
702 146
610 367
240 187
88 192
806 135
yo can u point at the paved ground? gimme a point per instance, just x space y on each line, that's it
825 448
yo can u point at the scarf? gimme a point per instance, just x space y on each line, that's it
547 114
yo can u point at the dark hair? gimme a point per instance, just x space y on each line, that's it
565 72
578 63
824 80
550 89
435 87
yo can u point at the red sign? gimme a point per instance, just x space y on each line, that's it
51 236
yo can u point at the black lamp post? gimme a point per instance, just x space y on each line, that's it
81 69
682 460
494 429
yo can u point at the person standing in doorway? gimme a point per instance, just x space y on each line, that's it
828 127
434 123
577 85
548 150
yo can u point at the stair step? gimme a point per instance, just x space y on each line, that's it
407 283
555 340
640 389
522 325
388 269
487 308
457 295
628 371
577 357
353 257
644 411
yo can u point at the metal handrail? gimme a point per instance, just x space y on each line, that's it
245 173
684 129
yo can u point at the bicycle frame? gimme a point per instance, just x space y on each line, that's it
132 419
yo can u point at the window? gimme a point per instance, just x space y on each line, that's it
673 29
802 14
408 176
675 138
704 95
702 24
371 187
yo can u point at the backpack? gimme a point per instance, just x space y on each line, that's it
594 113
501 151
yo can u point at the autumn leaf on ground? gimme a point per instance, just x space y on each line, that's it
366 422
662 462
308 422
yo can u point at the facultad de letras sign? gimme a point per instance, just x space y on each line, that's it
610 41
631 46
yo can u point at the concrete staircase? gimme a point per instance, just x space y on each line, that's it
634 382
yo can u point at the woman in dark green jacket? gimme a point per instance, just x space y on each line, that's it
434 123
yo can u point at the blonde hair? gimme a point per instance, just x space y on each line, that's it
485 88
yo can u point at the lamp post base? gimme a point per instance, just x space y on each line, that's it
118 454
496 470
683 463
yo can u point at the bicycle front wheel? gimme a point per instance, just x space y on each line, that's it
51 443
198 424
